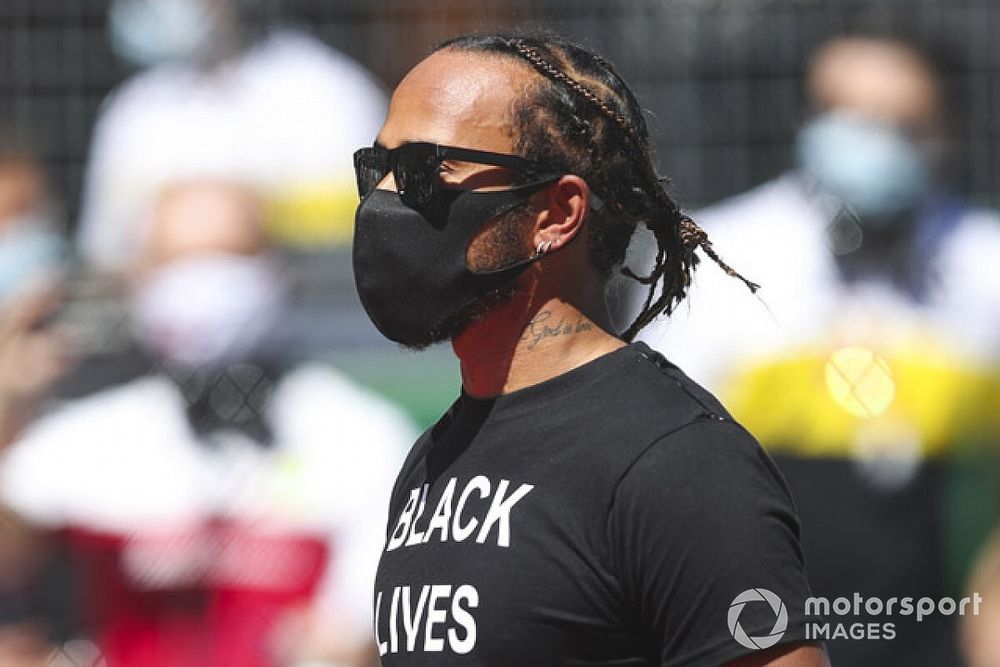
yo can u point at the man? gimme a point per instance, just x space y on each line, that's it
222 510
868 373
32 356
216 100
31 247
582 502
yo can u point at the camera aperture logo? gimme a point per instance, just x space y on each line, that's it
780 618
845 618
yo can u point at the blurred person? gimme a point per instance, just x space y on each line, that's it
217 99
549 517
224 510
866 369
980 639
34 355
50 317
31 247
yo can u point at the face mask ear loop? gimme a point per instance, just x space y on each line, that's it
544 247
541 251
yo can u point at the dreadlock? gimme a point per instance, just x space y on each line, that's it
581 116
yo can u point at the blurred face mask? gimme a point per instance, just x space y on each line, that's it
28 251
150 32
209 310
873 168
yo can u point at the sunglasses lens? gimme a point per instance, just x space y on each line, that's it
369 168
415 169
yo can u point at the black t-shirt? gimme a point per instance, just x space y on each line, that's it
607 516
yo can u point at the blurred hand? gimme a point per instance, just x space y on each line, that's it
23 646
979 632
32 357
310 636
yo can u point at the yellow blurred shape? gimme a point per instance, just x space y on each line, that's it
317 214
860 381
787 402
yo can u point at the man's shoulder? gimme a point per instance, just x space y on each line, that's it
714 451
319 395
974 241
754 230
147 91
76 462
600 425
671 398
648 401
121 409
662 436
780 200
967 282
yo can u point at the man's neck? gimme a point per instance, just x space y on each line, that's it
522 343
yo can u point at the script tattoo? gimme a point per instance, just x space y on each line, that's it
540 327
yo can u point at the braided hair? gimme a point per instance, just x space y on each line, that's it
581 116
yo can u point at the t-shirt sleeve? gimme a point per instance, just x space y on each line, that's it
699 519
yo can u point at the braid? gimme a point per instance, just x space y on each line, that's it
693 236
547 69
554 128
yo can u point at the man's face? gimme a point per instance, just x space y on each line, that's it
879 80
461 99
21 190
876 139
203 218
152 32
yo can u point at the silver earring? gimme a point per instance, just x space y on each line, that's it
543 248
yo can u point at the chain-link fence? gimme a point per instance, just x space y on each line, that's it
721 78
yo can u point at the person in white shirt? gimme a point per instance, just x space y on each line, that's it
229 506
865 366
280 111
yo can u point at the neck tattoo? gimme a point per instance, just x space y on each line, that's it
544 325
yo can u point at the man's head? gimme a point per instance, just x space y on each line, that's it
22 187
31 247
570 113
206 292
196 32
456 99
877 124
202 218
880 79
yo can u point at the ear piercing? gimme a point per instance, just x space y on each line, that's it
543 248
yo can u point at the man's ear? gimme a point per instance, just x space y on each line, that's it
565 208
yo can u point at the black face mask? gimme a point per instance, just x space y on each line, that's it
409 264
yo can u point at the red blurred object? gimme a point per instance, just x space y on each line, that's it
197 596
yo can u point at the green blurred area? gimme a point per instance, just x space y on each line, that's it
422 383
971 507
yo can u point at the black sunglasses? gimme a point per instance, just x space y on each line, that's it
415 168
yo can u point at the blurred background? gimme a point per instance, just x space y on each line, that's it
722 80
188 385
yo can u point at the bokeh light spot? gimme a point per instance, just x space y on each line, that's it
860 381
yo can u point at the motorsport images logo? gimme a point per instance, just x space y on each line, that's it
780 618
